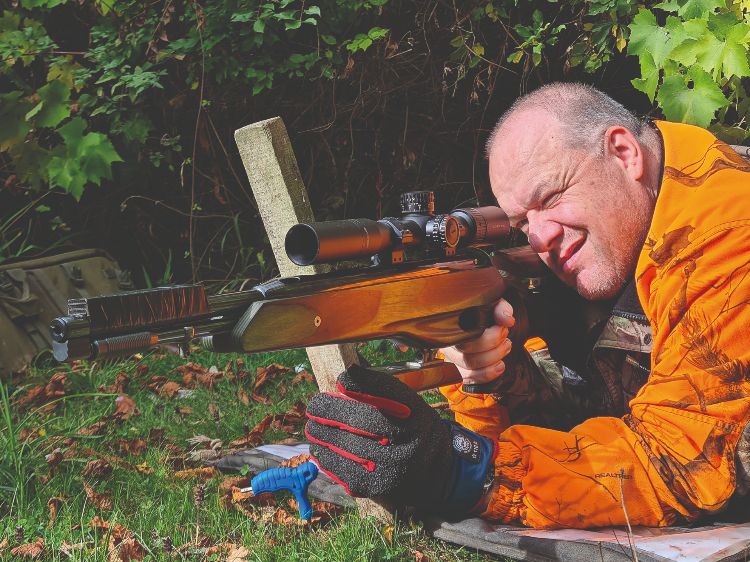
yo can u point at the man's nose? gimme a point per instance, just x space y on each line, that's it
542 232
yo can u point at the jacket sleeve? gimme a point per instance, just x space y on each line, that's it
534 391
673 456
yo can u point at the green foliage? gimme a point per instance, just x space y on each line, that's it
142 99
693 63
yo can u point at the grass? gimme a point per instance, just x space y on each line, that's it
152 503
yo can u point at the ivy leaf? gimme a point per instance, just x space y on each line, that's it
313 11
646 36
694 98
700 8
28 4
649 80
53 107
83 159
668 6
722 51
13 111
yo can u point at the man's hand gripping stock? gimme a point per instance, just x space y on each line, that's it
482 360
377 437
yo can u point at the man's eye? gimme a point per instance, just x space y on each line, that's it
551 199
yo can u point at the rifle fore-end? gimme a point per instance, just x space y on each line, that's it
425 305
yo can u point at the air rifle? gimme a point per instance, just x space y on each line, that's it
432 282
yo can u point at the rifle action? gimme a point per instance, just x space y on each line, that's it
432 282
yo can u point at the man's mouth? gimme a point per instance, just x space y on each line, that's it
567 258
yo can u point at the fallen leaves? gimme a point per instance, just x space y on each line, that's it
42 395
169 389
100 501
135 447
32 551
295 461
123 545
119 386
193 372
262 376
255 436
97 468
287 422
125 407
54 504
204 473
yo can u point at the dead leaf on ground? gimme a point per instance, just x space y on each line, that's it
54 504
260 398
41 395
70 549
183 410
440 405
135 447
282 517
93 429
155 383
303 376
238 554
204 473
255 436
101 501
264 374
125 407
54 459
227 487
32 550
295 460
123 546
169 389
322 511
243 397
193 372
119 386
156 435
420 556
4 545
97 468
213 411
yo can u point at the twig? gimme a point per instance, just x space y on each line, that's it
193 265
627 519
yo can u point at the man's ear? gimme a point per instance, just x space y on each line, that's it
621 144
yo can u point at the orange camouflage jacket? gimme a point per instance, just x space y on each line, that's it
681 447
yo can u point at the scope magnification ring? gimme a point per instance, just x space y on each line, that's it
444 231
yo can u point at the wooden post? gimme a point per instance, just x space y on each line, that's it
282 200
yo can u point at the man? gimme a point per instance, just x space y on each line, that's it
651 405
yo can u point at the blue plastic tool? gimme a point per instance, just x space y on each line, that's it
295 479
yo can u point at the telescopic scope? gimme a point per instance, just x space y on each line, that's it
418 226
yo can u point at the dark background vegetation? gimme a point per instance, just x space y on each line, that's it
378 96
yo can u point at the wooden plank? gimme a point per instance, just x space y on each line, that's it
282 200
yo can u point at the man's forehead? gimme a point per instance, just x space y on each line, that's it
523 145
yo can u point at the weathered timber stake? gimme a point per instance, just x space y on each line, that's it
282 200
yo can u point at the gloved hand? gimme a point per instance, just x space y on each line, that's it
378 437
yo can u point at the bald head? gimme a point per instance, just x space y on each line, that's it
579 113
579 174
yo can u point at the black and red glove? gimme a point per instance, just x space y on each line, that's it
379 438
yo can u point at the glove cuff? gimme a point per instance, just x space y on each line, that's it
472 460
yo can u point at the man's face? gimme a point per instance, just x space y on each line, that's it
583 213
